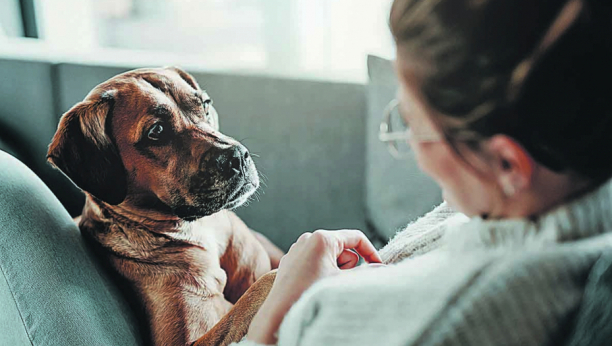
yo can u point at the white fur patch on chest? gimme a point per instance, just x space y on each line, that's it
208 233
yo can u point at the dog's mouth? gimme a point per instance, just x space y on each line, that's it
242 194
232 194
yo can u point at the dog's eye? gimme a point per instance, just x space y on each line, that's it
155 131
206 106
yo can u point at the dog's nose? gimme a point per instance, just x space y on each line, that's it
232 161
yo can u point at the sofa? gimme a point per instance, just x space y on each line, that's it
322 164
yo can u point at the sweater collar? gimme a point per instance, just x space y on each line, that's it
586 216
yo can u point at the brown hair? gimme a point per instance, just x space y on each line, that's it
535 70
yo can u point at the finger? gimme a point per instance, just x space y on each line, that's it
280 262
348 259
356 240
300 239
304 236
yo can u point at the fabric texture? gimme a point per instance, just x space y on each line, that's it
29 119
52 292
595 312
473 282
425 234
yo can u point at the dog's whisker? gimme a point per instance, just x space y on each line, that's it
263 176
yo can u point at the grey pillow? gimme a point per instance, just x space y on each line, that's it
397 192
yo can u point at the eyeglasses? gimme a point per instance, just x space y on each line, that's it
396 133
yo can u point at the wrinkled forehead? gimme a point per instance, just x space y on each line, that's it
178 86
143 94
163 78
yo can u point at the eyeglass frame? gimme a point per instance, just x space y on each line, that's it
391 138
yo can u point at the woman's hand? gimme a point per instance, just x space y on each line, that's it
318 255
314 256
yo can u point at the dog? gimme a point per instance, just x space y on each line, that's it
160 181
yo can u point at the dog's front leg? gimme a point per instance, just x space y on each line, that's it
244 260
178 316
235 324
274 252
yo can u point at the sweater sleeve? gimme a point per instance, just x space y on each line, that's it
420 236
503 303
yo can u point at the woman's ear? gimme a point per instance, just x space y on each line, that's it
513 165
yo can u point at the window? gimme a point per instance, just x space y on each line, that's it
17 18
324 38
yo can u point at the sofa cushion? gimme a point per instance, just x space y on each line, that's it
52 291
28 120
308 137
397 192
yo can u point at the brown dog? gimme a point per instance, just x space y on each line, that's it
160 181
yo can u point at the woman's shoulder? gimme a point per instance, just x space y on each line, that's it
455 292
476 268
443 274
551 261
512 270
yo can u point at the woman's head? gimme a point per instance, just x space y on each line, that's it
517 90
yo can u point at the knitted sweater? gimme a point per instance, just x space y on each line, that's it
460 281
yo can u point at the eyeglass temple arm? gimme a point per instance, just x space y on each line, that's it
392 136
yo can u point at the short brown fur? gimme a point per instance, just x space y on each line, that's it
158 211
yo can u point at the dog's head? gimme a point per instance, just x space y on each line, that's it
150 138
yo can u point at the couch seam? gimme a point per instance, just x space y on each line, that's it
16 305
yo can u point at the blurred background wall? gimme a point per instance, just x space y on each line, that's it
291 78
317 38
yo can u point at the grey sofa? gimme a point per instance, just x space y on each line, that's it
52 289
318 150
317 143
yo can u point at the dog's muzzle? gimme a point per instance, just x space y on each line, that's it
236 177
233 161
226 179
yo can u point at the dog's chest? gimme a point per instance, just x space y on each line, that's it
203 259
209 278
203 235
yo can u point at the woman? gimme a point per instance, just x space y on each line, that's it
507 103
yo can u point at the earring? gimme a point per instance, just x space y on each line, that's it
508 188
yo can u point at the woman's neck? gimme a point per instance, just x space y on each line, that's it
546 191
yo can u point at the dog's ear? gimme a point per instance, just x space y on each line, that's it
83 150
185 76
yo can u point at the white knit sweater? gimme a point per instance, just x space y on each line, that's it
460 281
